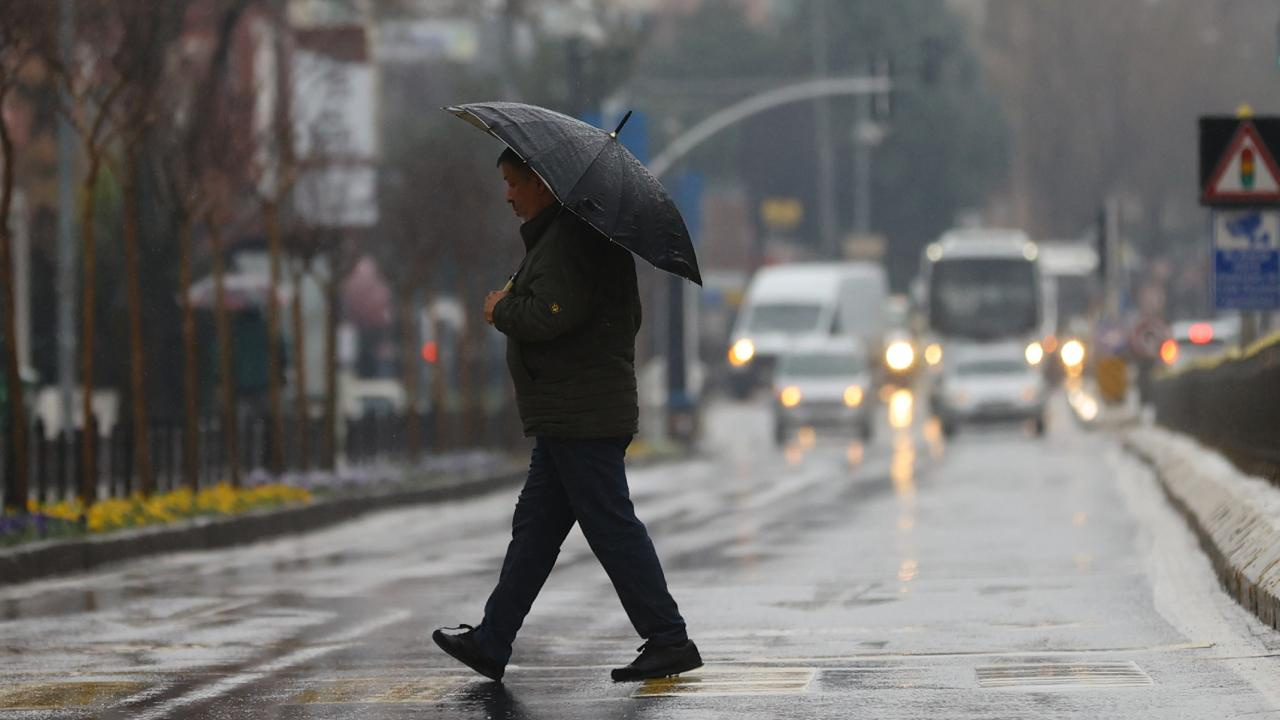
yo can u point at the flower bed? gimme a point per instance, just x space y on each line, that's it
69 517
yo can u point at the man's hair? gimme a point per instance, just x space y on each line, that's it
509 157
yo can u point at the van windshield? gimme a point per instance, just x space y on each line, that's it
821 365
784 318
992 367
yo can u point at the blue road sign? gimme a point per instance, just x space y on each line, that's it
1246 250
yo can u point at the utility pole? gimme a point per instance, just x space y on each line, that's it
822 135
66 228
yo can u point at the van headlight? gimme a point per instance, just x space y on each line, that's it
899 356
790 396
1072 353
853 396
1034 353
933 354
741 352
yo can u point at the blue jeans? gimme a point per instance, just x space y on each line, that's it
584 481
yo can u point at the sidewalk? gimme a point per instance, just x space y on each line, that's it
1236 517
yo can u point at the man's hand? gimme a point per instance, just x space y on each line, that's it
490 302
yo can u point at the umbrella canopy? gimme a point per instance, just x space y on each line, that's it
594 177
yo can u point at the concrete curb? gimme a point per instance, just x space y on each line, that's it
58 557
1239 534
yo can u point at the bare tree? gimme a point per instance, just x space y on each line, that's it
196 152
140 62
94 89
25 43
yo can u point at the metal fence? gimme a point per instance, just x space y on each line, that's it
1231 404
55 461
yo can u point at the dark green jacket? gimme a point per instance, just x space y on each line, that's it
571 322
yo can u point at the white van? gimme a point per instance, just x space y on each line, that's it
787 303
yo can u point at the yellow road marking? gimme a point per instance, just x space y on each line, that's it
730 681
63 695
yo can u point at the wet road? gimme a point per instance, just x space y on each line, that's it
995 575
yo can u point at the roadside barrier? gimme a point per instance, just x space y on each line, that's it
1231 403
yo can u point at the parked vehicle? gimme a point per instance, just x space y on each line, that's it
788 303
1191 340
992 383
823 384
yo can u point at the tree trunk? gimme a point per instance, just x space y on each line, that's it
275 367
137 371
88 468
300 373
226 372
16 499
190 379
332 285
409 370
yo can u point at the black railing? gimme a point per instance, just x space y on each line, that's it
1231 404
55 460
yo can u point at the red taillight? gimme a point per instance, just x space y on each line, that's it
1169 351
1200 333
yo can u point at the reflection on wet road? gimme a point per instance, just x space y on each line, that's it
903 577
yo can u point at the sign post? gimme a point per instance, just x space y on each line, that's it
1240 183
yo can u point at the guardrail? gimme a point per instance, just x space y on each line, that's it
1230 402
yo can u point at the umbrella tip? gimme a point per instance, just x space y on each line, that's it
618 129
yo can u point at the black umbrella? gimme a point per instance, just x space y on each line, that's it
595 177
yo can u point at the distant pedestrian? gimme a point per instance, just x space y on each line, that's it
571 315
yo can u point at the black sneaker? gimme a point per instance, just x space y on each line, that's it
658 661
463 648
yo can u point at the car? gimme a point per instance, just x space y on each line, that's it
826 384
1191 340
989 384
800 302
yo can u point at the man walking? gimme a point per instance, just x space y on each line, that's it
571 315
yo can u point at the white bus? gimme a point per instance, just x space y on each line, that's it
981 287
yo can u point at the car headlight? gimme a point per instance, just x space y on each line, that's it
1035 353
853 396
899 355
790 396
1072 353
741 352
933 354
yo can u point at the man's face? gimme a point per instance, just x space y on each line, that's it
525 192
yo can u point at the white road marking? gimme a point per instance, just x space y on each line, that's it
341 640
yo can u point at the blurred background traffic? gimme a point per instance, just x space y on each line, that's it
243 238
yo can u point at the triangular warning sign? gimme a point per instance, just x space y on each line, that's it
1245 172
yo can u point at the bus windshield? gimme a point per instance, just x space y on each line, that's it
983 298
